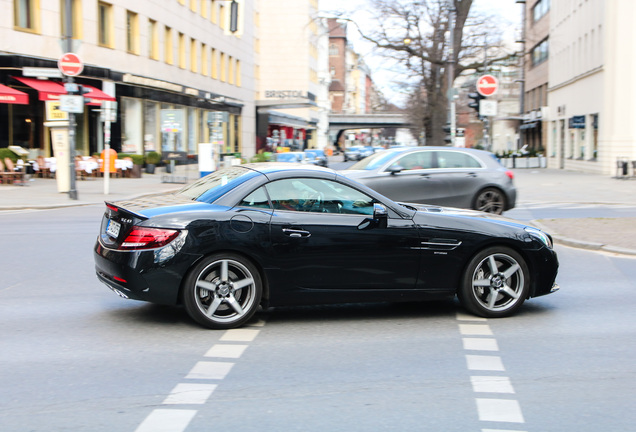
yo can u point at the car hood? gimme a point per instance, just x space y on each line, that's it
356 174
456 216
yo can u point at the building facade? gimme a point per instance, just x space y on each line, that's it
170 65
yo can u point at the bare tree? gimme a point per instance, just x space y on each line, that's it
414 34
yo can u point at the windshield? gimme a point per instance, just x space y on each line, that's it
373 161
213 186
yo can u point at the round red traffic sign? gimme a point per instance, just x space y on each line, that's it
487 85
70 64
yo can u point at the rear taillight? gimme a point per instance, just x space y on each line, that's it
148 238
510 174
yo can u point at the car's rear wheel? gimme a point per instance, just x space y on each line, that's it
223 291
495 283
490 200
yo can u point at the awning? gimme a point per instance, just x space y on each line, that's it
96 96
47 90
51 90
13 96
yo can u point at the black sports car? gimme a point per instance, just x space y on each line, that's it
274 234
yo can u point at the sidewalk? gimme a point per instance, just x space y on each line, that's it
544 186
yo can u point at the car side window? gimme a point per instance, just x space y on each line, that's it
451 159
318 196
257 199
416 160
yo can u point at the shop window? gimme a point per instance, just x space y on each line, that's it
105 24
192 130
132 121
26 15
150 126
76 19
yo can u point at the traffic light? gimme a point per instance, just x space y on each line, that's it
476 97
447 133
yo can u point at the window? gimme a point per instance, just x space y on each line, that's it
193 56
238 73
333 50
168 46
153 40
76 19
26 15
539 9
320 196
539 53
204 60
193 5
204 8
213 61
132 33
105 24
454 159
181 51
230 66
223 67
412 161
213 11
257 199
222 16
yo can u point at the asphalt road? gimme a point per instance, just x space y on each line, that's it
75 357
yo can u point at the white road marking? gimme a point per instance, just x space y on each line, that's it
166 420
226 351
475 330
239 335
480 344
491 384
484 363
499 410
500 430
190 393
210 370
466 317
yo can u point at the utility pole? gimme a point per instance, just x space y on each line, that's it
522 80
452 120
68 47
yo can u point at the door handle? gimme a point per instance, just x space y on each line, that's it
296 233
472 174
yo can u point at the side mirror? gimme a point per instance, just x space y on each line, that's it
394 169
380 218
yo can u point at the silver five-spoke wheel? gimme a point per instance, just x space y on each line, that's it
495 283
223 291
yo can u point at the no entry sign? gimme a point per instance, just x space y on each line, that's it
487 85
70 64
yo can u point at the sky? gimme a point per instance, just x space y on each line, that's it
383 76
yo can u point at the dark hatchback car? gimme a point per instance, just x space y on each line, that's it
277 234
447 176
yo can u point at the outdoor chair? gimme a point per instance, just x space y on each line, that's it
10 172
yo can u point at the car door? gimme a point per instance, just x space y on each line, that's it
329 244
416 181
464 175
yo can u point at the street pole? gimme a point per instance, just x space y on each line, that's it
68 46
522 81
451 73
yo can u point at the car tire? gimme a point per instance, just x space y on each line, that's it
490 200
223 291
495 284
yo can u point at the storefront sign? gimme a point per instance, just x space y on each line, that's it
285 94
577 122
53 111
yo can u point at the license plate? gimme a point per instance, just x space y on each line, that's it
113 228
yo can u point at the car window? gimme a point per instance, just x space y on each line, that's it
316 195
416 160
257 199
455 159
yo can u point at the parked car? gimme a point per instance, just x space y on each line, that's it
448 176
317 157
299 157
274 234
352 153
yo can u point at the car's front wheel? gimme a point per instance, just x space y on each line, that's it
490 200
223 291
495 283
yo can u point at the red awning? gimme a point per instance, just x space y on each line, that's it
96 96
47 90
13 96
